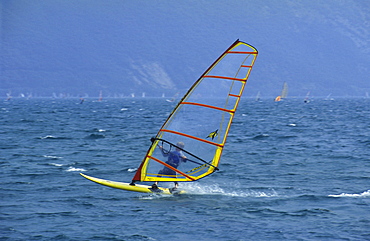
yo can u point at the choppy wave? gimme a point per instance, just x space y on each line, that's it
273 182
74 169
51 137
364 194
260 136
95 136
98 130
52 157
56 164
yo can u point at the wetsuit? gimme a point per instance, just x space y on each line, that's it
174 160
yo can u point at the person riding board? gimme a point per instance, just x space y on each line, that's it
175 158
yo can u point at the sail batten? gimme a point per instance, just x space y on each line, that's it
196 130
192 137
208 106
239 52
223 77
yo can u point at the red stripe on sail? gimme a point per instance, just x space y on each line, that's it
208 106
241 52
224 77
192 137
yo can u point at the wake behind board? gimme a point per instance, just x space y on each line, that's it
136 188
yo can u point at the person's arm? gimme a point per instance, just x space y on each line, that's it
163 153
183 157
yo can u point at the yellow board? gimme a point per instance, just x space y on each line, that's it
128 187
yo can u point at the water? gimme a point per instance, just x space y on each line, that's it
290 171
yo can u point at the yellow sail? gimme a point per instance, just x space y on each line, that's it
198 127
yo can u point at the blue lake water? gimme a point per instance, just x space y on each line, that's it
290 171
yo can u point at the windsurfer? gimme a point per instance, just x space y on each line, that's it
174 159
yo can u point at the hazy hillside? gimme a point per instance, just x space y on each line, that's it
122 47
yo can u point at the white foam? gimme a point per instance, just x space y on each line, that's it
364 194
215 189
252 193
73 169
48 137
132 169
56 164
52 157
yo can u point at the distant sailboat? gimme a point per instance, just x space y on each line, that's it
284 92
100 96
258 96
307 98
329 97
9 96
